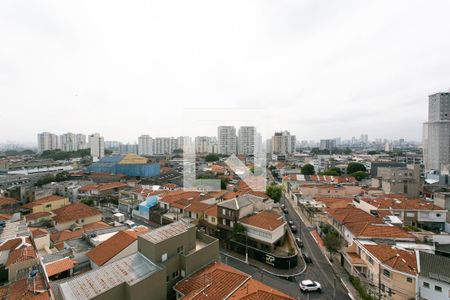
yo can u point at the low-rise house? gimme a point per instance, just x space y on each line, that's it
120 245
35 289
434 276
47 204
389 272
266 228
220 281
38 218
59 269
76 214
102 190
412 211
41 239
8 205
18 257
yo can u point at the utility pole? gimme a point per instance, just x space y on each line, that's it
334 287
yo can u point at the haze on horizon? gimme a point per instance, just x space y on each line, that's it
320 69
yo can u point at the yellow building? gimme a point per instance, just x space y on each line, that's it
47 204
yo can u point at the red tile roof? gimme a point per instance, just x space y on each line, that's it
21 254
267 220
104 252
44 200
401 203
7 201
38 215
59 266
66 235
396 258
38 232
103 186
73 212
25 289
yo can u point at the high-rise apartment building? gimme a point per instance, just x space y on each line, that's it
145 145
247 140
436 133
162 145
226 140
328 144
47 141
283 143
97 145
72 142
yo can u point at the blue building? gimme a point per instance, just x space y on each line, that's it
130 165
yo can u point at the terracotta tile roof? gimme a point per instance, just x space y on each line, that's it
44 200
21 254
174 196
59 266
212 211
7 201
73 212
104 252
95 226
149 192
197 207
11 244
103 186
396 258
381 231
170 186
28 290
335 202
219 281
38 215
401 203
38 232
65 235
267 220
5 217
255 290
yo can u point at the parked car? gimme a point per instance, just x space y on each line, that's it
299 242
115 211
293 228
310 286
306 257
290 222
285 211
283 206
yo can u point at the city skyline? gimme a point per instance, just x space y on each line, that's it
313 72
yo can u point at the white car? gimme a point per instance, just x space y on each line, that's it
310 286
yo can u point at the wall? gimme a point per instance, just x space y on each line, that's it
42 242
53 205
430 293
88 220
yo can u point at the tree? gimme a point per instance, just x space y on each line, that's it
332 172
178 151
355 167
274 192
308 169
211 157
360 175
239 232
87 201
332 241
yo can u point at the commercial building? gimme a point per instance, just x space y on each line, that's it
47 141
398 180
129 165
226 140
436 133
145 145
97 145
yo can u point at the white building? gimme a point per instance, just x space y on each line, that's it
226 140
247 140
97 145
436 133
283 143
162 145
203 144
72 142
434 276
47 141
145 145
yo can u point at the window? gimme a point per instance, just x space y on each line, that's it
175 274
410 214
438 215
224 212
426 285
48 205
386 273
213 219
164 257
409 279
437 288
180 250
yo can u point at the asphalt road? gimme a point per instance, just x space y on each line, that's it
319 270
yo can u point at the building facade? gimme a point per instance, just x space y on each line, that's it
145 145
226 140
47 141
97 145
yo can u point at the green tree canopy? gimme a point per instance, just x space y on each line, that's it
332 240
274 192
308 169
360 175
355 167
211 157
332 172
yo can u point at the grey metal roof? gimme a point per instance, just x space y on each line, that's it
130 269
166 232
434 266
239 202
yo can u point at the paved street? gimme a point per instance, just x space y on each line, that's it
320 270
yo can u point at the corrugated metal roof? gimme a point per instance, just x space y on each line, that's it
434 266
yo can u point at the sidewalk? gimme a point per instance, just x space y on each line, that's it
339 271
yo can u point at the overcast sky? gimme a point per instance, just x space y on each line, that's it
320 69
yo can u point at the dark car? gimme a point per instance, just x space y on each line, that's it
290 222
306 257
293 228
285 211
299 242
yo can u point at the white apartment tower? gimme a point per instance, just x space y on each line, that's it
162 145
97 145
283 143
145 145
247 140
72 142
226 140
436 133
47 141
